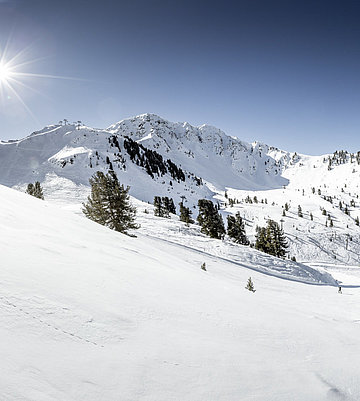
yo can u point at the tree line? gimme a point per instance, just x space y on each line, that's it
109 204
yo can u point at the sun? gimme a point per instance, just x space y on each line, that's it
5 72
14 79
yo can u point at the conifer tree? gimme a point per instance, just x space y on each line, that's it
109 203
158 208
210 220
185 214
236 229
163 206
300 213
169 205
35 190
250 285
271 239
262 241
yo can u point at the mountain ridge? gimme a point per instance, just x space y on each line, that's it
156 157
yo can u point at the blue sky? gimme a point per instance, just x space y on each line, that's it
282 72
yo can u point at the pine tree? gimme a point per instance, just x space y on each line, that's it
169 205
300 213
158 208
210 220
109 203
164 206
250 285
35 190
271 240
236 229
185 214
357 220
262 244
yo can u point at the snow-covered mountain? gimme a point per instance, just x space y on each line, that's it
156 157
150 154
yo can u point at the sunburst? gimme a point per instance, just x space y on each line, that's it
14 77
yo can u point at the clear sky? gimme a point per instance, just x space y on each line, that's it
281 72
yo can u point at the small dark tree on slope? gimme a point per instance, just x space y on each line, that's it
250 285
109 203
185 214
210 220
35 190
236 229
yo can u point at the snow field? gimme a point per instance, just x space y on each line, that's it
90 314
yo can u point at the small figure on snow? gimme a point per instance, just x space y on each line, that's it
340 292
203 266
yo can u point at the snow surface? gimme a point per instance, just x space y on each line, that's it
91 314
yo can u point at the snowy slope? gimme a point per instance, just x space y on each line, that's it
90 314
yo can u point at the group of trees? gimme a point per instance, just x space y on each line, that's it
164 206
35 190
212 223
109 205
271 239
152 161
